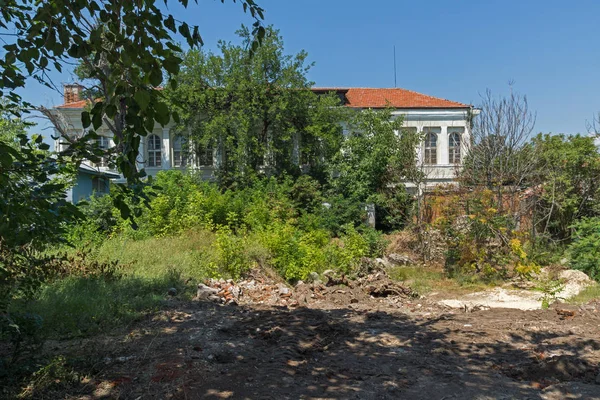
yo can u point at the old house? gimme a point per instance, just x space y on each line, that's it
444 123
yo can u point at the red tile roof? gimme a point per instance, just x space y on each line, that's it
75 104
396 98
368 98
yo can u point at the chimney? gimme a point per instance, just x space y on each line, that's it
72 92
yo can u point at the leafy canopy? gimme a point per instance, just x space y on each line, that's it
256 110
137 41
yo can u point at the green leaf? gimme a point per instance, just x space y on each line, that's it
171 64
85 119
162 113
111 110
156 77
170 23
142 98
97 120
5 158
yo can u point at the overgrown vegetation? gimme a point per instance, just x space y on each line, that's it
294 175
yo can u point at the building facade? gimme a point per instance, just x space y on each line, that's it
445 125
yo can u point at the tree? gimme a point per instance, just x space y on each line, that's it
33 208
375 160
499 157
568 168
258 111
135 38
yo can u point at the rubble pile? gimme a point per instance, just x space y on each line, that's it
338 289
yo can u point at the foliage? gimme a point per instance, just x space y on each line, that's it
481 240
257 111
271 222
584 251
569 167
33 210
375 159
127 48
101 218
550 289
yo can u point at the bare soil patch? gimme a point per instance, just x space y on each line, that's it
340 342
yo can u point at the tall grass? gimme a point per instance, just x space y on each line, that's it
80 306
189 253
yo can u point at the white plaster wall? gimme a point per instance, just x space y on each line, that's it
447 121
444 119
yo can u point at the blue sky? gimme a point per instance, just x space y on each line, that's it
451 49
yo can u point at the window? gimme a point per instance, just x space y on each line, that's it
99 185
103 143
431 148
204 155
179 153
154 155
454 148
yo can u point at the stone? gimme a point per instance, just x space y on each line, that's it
313 277
572 275
205 292
236 292
399 259
383 262
283 290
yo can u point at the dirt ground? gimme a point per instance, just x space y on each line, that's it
322 344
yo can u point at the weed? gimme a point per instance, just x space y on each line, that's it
550 289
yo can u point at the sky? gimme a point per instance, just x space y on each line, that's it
548 49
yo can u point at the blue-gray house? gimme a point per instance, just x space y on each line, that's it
90 180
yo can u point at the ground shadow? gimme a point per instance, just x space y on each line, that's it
203 350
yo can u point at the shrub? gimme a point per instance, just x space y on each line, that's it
482 240
584 251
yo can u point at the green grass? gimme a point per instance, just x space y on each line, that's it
80 306
425 279
588 294
421 279
77 306
189 254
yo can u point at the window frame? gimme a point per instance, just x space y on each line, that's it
454 148
430 156
103 143
205 156
99 185
180 156
154 154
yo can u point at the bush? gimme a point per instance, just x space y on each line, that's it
584 251
280 222
481 240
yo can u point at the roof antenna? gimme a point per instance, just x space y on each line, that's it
395 83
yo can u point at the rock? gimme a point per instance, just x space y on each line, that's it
329 272
172 292
572 275
353 300
383 262
205 292
399 259
313 277
236 292
283 290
